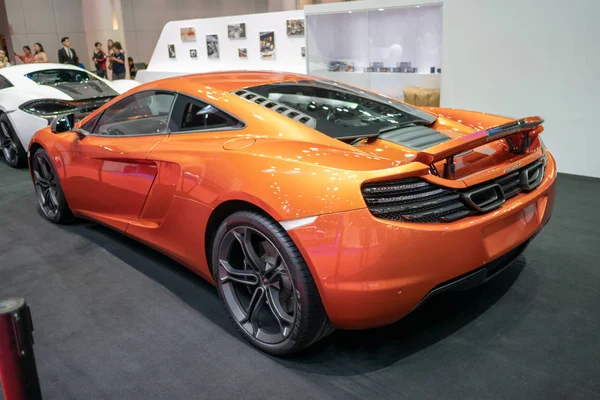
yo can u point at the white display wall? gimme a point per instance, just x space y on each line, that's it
514 58
387 35
288 49
520 58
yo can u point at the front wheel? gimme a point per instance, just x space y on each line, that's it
266 286
50 195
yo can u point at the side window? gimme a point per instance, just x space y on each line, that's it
89 125
145 113
4 83
195 115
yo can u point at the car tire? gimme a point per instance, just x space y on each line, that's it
10 145
50 196
266 286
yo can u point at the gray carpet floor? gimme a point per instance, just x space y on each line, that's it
115 320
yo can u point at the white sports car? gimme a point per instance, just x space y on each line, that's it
31 95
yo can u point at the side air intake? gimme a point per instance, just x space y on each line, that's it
277 107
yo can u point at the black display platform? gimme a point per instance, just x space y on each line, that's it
115 320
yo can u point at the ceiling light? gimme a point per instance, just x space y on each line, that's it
381 9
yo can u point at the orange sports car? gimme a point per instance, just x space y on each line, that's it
310 204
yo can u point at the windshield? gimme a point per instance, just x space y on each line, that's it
54 76
341 111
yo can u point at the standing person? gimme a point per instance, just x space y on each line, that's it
109 52
79 64
3 60
132 68
99 60
27 56
118 59
40 55
67 55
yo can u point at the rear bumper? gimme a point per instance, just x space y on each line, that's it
371 272
480 275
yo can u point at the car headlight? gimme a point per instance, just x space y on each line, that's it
48 108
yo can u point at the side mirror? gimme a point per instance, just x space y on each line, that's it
63 123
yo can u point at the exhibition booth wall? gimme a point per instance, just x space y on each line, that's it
384 50
519 58
174 54
509 58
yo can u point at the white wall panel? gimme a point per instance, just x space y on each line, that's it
16 18
132 45
68 15
35 21
128 16
39 16
146 42
288 56
282 5
150 16
520 58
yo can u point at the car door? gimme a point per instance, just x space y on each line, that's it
172 219
107 175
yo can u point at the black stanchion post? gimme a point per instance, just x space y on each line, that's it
18 371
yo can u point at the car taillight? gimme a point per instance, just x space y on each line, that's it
48 108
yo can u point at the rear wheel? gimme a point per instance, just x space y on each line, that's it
266 286
10 145
50 195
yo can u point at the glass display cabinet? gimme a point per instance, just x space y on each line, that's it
382 49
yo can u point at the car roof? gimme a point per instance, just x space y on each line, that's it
16 73
226 81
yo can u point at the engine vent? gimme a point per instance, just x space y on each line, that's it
277 107
416 200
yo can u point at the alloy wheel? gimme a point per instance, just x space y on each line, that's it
7 143
256 284
45 186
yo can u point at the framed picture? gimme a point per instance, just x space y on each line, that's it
295 27
243 52
193 53
171 51
236 31
267 45
303 51
212 46
188 34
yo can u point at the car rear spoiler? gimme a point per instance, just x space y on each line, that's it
518 134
